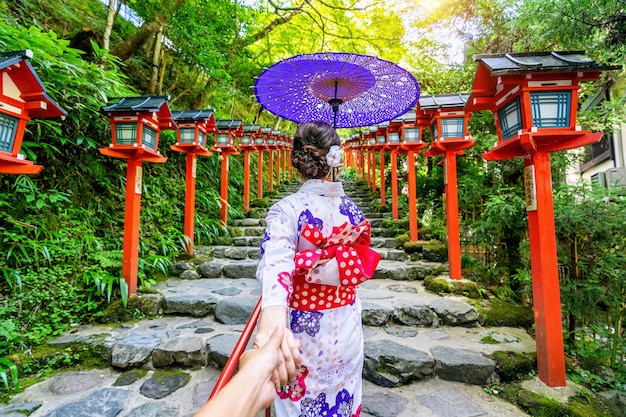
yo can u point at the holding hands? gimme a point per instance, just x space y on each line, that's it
289 350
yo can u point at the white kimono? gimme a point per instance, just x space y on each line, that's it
331 336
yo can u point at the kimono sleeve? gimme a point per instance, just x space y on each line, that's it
277 258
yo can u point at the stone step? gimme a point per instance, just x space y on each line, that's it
395 354
385 302
242 262
223 253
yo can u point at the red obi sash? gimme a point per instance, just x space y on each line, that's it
326 277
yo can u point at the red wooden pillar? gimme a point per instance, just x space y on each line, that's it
410 157
246 181
452 215
394 185
259 189
271 169
131 224
190 199
383 186
278 165
224 190
373 168
362 158
543 258
366 163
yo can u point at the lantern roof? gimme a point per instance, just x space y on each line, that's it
143 104
406 117
493 69
229 124
521 63
443 101
252 128
16 64
193 115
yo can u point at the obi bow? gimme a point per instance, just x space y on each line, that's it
342 259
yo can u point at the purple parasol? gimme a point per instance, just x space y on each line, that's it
342 89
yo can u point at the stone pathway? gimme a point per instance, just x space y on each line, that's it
425 354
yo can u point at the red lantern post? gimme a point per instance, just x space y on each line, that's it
534 99
271 146
371 151
261 145
227 131
393 146
449 137
250 132
194 126
412 144
136 124
381 143
22 97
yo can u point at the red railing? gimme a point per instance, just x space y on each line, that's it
240 347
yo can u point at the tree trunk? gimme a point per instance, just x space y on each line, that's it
129 48
113 11
156 60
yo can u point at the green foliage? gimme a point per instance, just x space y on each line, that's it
10 381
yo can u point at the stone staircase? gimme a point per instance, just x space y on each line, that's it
167 365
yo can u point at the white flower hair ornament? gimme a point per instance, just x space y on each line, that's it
334 156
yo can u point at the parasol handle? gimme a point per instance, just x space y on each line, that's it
335 102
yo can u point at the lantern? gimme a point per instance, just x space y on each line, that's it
448 118
534 98
136 123
227 131
22 97
194 126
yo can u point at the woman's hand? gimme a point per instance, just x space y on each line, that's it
253 387
290 360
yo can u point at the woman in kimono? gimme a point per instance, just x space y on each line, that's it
314 254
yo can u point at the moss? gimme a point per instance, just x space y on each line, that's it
136 306
199 259
439 270
401 240
413 247
380 208
489 340
46 360
513 366
260 202
505 313
130 377
235 231
537 405
435 252
437 285
586 404
467 288
223 241
256 213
